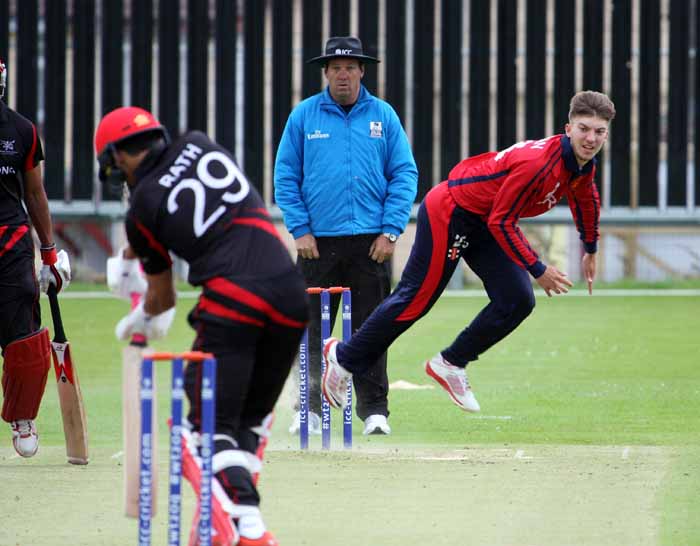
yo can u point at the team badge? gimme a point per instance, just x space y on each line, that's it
550 199
375 129
7 145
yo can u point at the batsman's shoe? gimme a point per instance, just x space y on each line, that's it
266 540
454 380
253 532
24 437
376 424
334 383
314 423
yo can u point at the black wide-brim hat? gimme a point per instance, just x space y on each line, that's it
343 46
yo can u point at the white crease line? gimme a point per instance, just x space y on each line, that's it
500 417
452 458
490 450
117 455
520 454
626 453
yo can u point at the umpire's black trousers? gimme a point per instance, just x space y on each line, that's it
345 261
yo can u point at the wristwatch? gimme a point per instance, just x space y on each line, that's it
392 238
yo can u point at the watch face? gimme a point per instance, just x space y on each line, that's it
393 238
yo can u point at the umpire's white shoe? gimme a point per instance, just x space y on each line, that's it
24 437
376 424
334 383
314 423
454 380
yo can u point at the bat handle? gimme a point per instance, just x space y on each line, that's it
138 340
59 333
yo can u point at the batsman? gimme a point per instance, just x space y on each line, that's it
26 348
188 197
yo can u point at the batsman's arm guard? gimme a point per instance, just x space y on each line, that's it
26 368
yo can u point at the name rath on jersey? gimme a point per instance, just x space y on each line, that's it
182 162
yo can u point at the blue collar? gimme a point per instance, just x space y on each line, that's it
567 153
328 99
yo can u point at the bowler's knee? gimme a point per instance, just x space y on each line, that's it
522 305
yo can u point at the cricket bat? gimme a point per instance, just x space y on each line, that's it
69 395
132 355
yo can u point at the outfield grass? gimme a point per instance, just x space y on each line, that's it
589 434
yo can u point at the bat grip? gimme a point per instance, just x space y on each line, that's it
59 335
138 340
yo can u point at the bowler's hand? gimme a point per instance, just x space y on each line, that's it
588 267
306 247
381 249
554 281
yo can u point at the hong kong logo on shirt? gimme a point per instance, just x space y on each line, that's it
7 146
460 243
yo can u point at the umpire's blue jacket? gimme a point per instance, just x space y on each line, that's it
344 174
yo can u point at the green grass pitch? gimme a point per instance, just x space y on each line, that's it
589 435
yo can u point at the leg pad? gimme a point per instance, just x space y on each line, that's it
25 370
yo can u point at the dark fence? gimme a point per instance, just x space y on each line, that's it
464 76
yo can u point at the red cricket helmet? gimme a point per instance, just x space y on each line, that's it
116 126
124 122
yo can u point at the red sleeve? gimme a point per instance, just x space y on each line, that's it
35 154
584 202
511 199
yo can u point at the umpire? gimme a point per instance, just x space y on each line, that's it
345 180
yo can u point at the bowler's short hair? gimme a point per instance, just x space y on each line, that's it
591 103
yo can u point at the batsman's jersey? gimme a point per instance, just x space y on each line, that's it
193 200
526 180
20 151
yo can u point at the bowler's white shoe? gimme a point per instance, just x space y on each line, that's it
334 383
314 423
24 437
376 424
454 380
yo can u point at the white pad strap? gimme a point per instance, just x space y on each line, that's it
236 457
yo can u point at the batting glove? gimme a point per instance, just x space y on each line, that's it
55 269
140 322
124 277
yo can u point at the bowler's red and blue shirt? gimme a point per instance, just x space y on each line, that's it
526 180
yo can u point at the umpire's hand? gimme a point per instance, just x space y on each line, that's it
381 249
306 247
